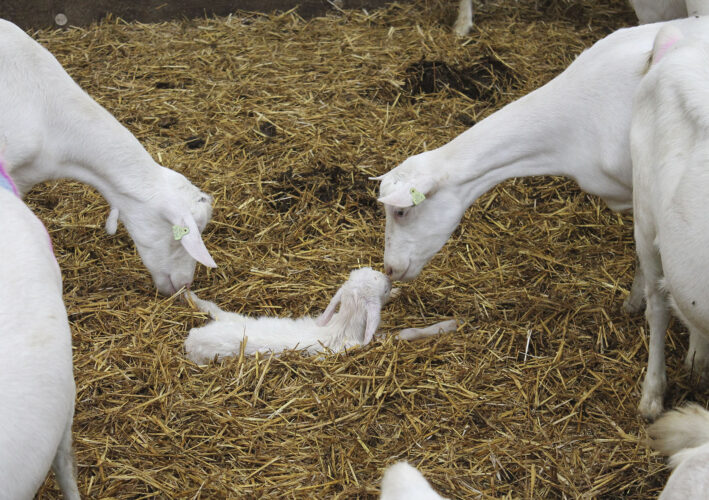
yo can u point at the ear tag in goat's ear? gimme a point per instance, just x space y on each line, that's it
416 196
179 231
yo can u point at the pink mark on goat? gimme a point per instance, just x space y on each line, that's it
663 49
7 183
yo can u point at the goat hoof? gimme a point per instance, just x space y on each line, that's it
650 407
633 306
462 29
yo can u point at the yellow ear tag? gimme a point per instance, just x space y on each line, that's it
179 231
416 196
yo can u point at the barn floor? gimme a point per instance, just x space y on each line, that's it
283 120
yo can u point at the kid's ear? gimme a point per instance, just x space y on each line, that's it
326 316
373 314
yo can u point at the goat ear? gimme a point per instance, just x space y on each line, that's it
112 221
664 41
326 316
408 193
372 310
193 243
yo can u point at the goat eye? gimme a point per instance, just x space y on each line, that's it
400 212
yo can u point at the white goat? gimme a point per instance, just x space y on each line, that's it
36 378
50 129
652 11
670 146
577 125
360 299
683 435
404 482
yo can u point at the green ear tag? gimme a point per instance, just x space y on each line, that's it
416 196
179 231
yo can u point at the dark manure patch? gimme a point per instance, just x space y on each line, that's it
479 81
320 184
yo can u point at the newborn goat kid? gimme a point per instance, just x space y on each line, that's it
360 299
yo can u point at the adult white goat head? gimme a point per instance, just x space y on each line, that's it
421 214
167 230
51 129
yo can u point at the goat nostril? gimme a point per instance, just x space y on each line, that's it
388 270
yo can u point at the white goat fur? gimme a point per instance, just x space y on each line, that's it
683 435
360 299
50 129
577 126
404 482
36 378
464 21
653 11
670 150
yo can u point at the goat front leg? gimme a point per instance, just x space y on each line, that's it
464 22
633 303
658 317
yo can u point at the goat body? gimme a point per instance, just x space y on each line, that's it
36 377
670 148
683 435
223 337
50 129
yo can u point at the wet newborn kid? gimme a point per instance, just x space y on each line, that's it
360 298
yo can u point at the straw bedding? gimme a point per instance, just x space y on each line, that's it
283 119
